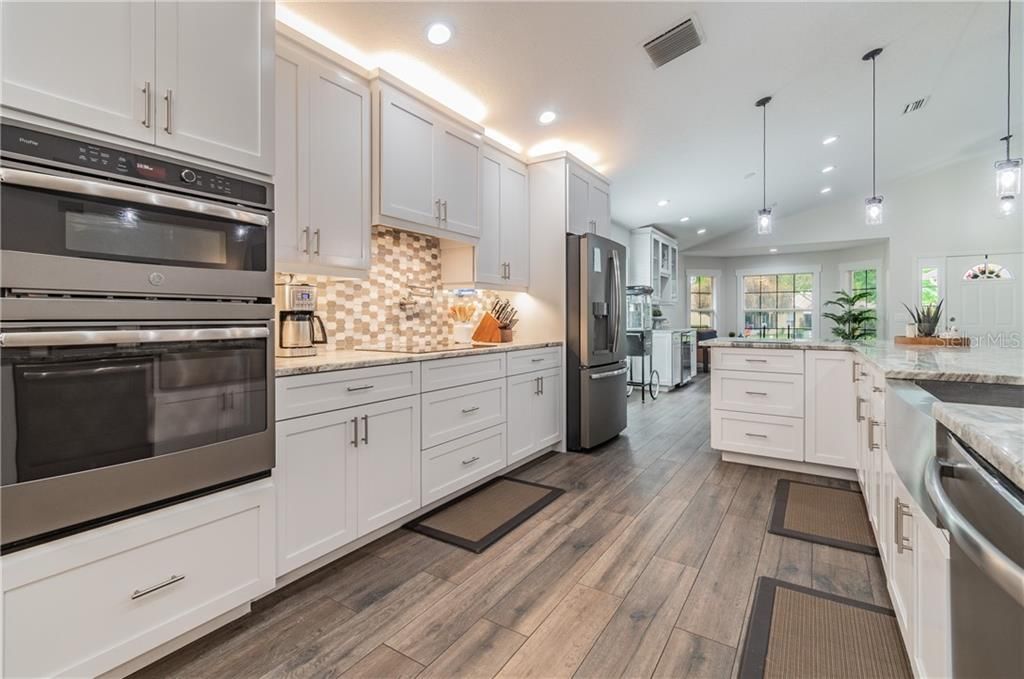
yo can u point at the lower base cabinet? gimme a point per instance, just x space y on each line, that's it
343 474
452 466
88 603
534 412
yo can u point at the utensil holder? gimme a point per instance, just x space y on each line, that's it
463 333
506 334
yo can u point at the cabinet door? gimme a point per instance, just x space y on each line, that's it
215 81
490 266
830 409
523 392
315 479
515 223
599 208
547 410
579 202
339 169
388 455
85 63
291 151
458 179
407 160
932 632
901 575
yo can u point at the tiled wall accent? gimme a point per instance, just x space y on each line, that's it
367 312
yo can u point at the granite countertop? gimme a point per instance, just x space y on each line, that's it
326 361
991 365
994 432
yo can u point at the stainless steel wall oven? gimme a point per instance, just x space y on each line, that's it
136 333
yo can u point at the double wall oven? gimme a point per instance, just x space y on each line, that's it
136 356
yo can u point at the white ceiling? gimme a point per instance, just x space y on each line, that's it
689 132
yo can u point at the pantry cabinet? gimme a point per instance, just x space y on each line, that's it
323 170
500 259
191 77
428 174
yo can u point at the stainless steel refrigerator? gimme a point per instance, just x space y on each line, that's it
595 340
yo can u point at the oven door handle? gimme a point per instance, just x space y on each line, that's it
98 189
986 556
65 338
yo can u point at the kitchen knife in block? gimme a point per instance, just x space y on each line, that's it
488 330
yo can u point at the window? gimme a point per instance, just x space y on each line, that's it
929 285
702 302
778 306
987 271
866 280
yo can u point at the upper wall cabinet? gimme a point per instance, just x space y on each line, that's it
654 261
501 257
589 202
322 179
427 177
191 77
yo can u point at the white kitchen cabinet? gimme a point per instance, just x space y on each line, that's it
901 561
830 409
388 461
451 413
191 77
451 467
932 625
317 484
759 392
500 259
589 205
86 604
428 175
322 179
654 261
534 412
89 64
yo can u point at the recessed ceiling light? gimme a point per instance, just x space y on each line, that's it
439 33
826 170
827 189
773 250
684 219
663 202
701 232
547 117
830 140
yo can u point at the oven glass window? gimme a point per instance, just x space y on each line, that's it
72 409
69 225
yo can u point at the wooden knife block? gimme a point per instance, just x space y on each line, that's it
487 330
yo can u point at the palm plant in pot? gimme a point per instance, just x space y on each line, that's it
926 318
853 320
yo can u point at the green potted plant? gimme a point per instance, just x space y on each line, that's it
852 320
926 318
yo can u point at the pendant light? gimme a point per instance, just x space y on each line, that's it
1008 170
873 205
764 215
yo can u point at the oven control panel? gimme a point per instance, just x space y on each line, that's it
49 147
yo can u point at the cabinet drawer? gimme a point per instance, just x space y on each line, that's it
528 360
443 373
320 392
88 603
758 360
754 392
452 466
767 435
451 413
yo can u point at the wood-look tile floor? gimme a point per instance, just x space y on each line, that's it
644 568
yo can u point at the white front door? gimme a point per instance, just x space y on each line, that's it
981 303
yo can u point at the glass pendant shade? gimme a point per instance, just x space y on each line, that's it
1007 205
873 210
1008 177
764 221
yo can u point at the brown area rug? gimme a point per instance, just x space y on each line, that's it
822 514
478 520
795 631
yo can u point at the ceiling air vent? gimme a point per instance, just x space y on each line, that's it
915 105
673 43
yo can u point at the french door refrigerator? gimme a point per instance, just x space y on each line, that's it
595 340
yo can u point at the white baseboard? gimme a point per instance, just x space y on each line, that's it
791 465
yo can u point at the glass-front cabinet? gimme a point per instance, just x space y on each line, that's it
654 262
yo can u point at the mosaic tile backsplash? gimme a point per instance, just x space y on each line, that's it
361 313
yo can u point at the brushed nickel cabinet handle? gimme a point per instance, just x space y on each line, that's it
872 443
361 387
316 250
541 380
756 360
757 393
437 210
856 369
444 204
756 436
139 593
168 102
860 402
146 93
355 432
471 460
305 241
366 429
473 409
902 541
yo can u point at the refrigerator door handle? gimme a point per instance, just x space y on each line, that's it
617 303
